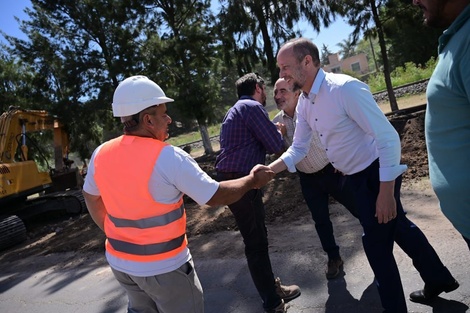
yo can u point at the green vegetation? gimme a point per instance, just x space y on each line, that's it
402 75
214 130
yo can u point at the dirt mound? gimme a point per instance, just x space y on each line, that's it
283 200
413 145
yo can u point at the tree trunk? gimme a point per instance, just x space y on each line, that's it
383 51
206 141
267 47
373 53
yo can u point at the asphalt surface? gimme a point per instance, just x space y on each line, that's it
46 284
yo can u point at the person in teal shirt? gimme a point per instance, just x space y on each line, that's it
447 121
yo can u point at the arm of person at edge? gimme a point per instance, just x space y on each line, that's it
363 109
228 192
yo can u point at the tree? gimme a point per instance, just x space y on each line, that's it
368 45
80 51
364 15
186 46
347 48
325 52
409 39
18 84
252 31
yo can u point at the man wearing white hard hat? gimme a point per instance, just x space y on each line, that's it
134 192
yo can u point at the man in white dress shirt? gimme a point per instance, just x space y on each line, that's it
360 142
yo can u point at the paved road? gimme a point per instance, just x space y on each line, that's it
69 283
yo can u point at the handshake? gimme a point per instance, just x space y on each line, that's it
261 175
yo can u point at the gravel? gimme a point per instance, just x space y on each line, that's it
409 89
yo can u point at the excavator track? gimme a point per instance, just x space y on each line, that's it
69 202
12 228
12 231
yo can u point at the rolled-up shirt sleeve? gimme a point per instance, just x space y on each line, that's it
363 109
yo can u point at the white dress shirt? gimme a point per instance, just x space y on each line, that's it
352 129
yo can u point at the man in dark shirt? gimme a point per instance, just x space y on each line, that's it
246 136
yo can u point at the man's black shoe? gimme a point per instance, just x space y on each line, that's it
334 267
430 293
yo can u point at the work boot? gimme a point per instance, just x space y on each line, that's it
334 267
287 293
430 292
281 308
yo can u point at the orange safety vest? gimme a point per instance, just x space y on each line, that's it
137 227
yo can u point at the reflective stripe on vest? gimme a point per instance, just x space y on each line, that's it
137 227
149 222
156 248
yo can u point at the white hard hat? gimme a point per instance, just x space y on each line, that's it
135 94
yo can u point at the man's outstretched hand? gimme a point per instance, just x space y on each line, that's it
262 174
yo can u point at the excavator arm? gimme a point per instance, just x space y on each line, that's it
15 124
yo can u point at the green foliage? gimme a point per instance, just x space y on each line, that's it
403 75
180 140
408 39
252 31
19 84
347 48
370 46
352 73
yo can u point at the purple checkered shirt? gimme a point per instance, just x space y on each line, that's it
246 136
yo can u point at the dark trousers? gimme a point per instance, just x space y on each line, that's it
249 214
360 191
316 189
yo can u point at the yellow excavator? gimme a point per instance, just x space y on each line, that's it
26 191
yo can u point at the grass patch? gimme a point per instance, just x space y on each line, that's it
402 75
184 139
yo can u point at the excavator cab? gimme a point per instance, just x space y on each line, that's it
55 188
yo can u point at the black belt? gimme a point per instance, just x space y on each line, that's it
327 169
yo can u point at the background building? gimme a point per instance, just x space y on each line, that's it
357 64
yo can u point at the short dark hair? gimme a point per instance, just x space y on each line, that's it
302 47
134 122
246 85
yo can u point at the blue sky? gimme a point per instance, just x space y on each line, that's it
8 9
331 36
